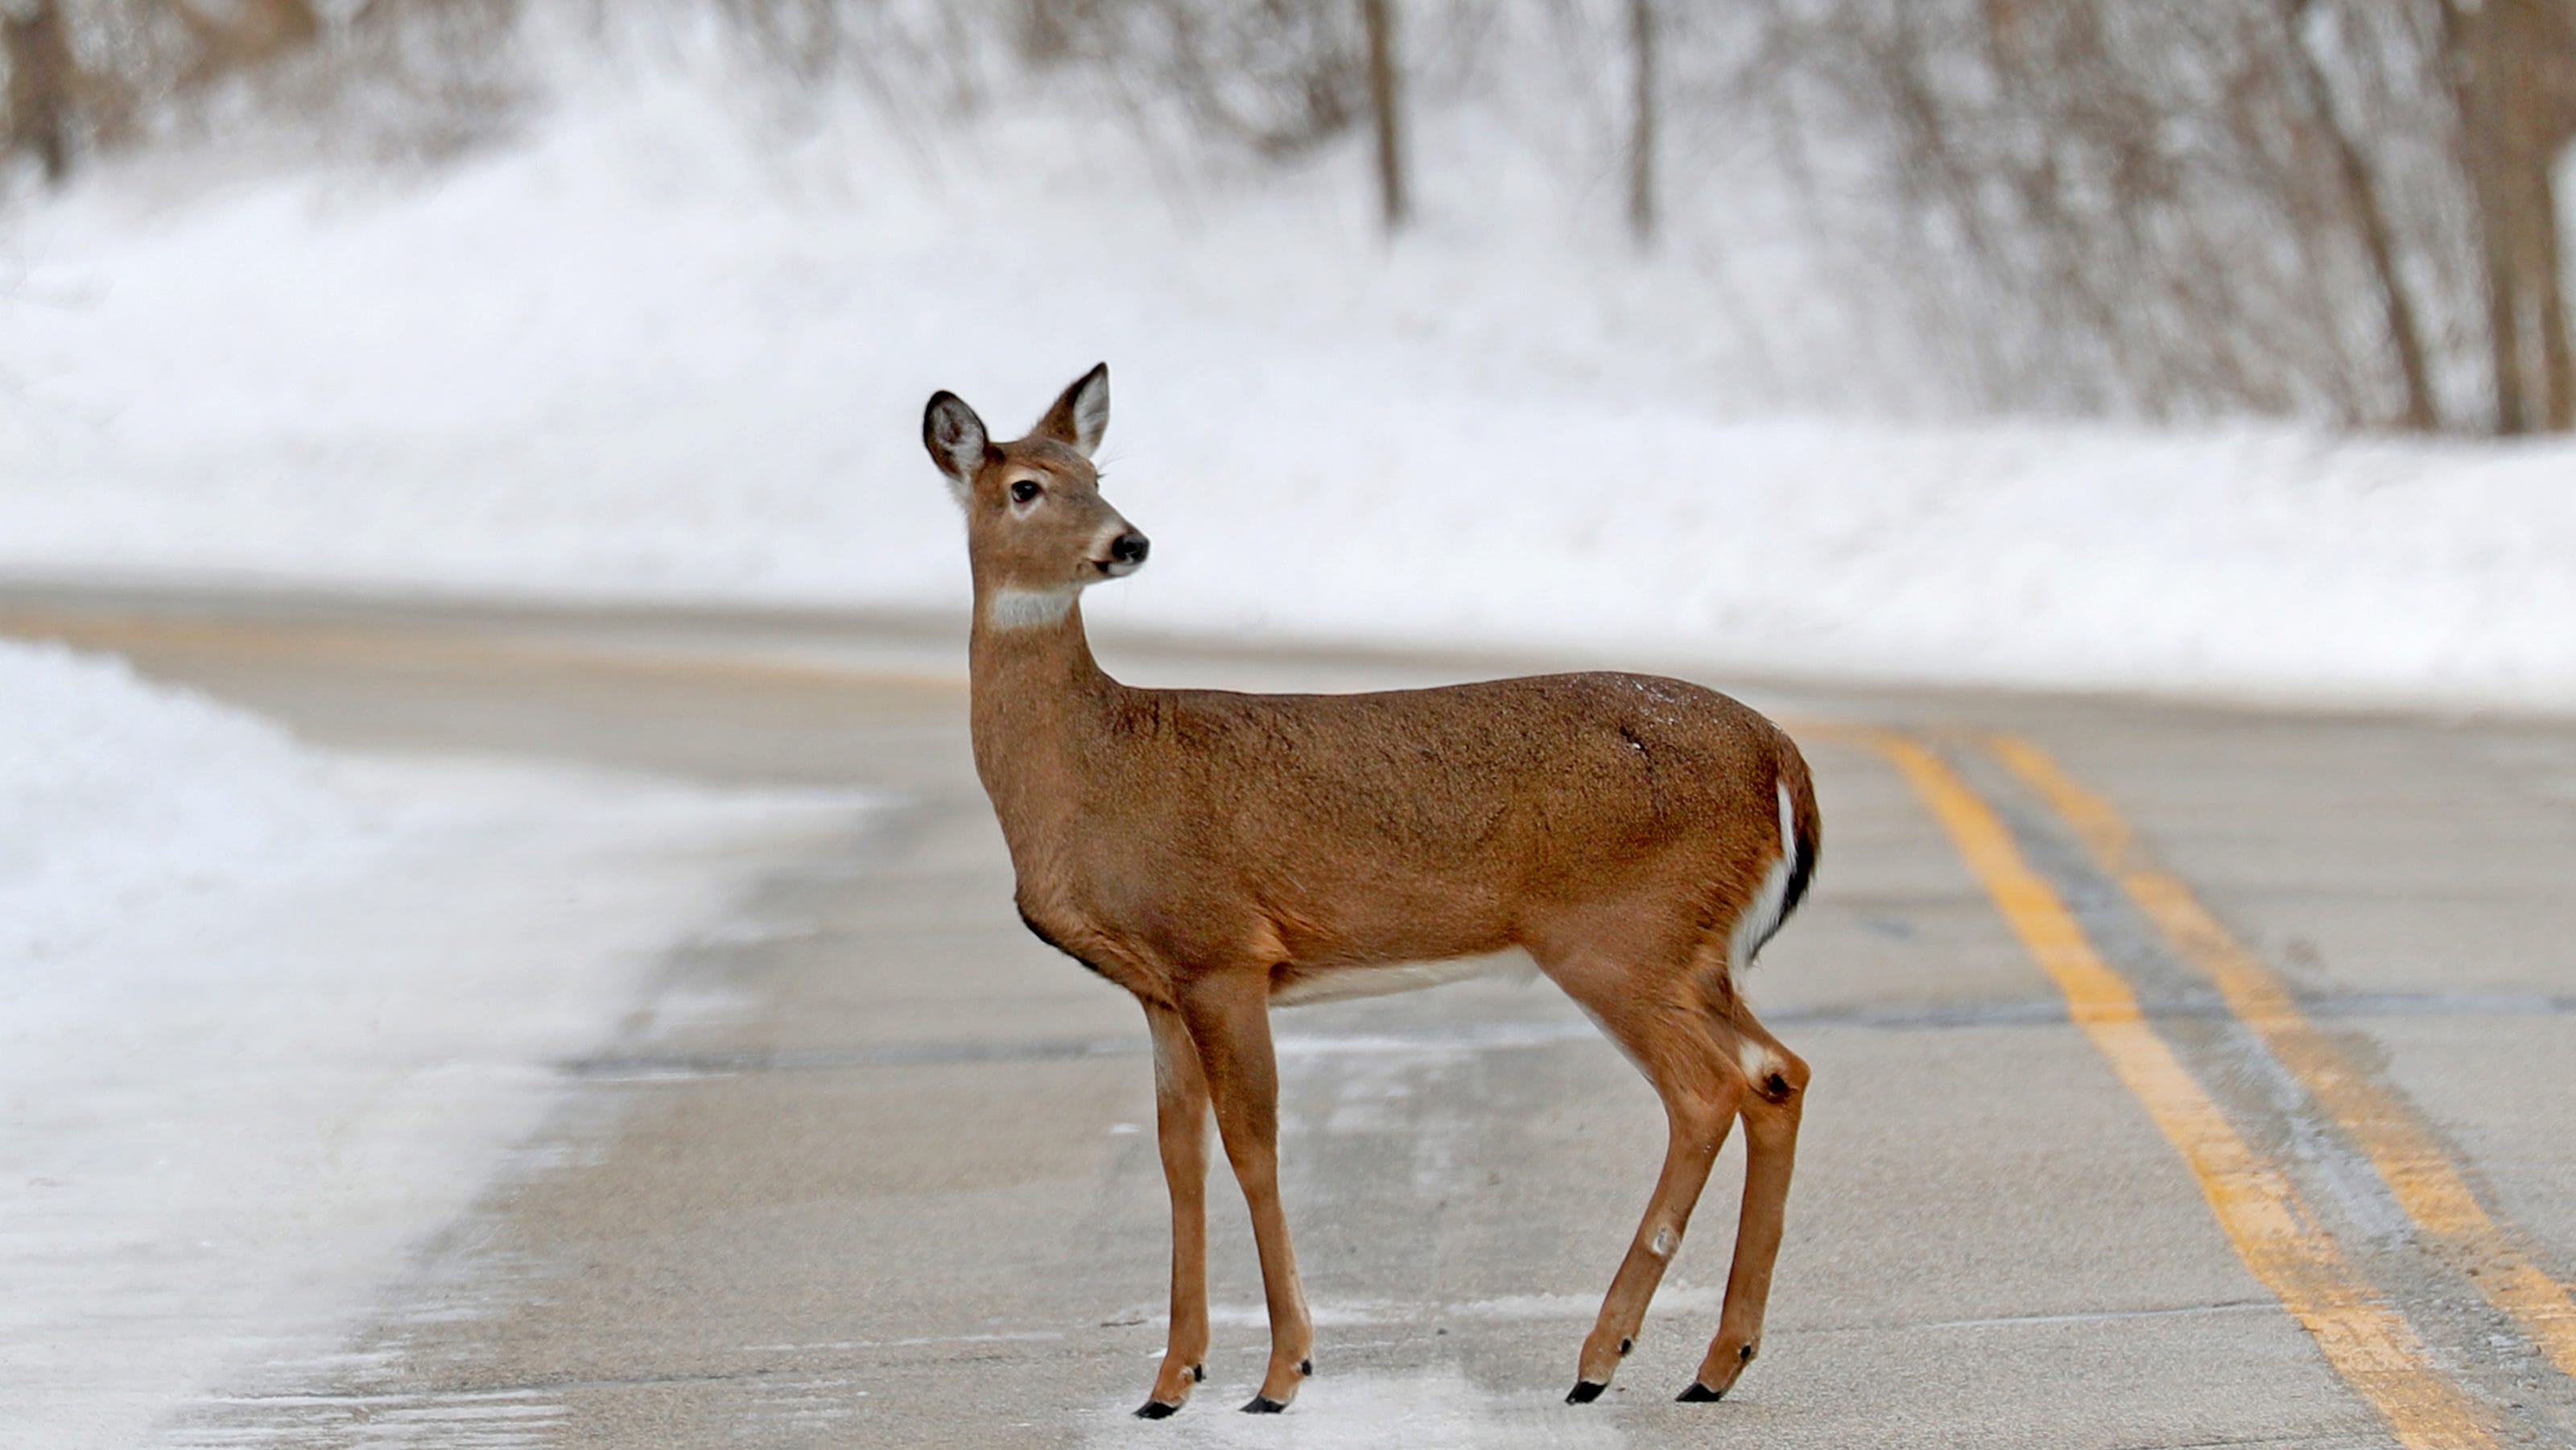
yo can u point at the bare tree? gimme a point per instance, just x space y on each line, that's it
1386 105
2509 65
41 80
2370 219
2131 206
1643 42
1045 31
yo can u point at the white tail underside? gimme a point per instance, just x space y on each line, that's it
1762 916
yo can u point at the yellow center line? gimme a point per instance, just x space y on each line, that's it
2270 1225
2423 1178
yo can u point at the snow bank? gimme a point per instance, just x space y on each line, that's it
119 796
655 354
251 1051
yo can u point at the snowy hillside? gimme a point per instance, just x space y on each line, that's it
655 352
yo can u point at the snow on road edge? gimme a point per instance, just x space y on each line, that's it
293 1027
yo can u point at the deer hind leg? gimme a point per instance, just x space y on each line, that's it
1775 1099
1181 1113
1664 1031
1229 1019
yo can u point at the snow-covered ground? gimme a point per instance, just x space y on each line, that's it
658 350
251 1051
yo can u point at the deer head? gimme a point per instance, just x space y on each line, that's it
1037 529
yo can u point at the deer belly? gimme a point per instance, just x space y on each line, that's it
1294 986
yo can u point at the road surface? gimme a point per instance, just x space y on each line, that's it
2184 1076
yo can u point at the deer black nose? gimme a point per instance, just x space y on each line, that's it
1130 547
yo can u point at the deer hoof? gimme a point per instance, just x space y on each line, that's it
1264 1405
1584 1392
1700 1394
1156 1410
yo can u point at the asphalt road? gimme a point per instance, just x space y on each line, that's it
2184 1076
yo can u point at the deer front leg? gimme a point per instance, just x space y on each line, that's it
1229 1019
1180 1117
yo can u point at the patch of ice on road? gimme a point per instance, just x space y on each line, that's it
1437 1409
269 1017
1436 1042
1677 1298
1323 1316
1512 1308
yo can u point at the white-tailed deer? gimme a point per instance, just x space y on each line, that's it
1215 853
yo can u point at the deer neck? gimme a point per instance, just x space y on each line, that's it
1041 707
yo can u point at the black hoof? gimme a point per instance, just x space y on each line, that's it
1306 1367
1263 1405
1584 1392
1156 1410
1199 1372
1624 1346
1700 1394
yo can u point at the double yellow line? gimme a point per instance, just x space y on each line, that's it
2369 1344
2419 1174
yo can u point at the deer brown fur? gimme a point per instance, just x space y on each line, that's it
1215 852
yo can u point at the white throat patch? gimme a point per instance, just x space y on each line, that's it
1028 608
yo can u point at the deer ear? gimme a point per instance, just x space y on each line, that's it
955 438
1080 416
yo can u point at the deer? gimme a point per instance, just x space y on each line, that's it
1217 854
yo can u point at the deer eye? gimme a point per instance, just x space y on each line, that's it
1025 491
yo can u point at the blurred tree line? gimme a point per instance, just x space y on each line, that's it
2336 209
88 77
2341 207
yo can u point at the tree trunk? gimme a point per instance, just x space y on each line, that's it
1045 32
1386 100
1641 133
2504 58
40 88
2548 69
2549 307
